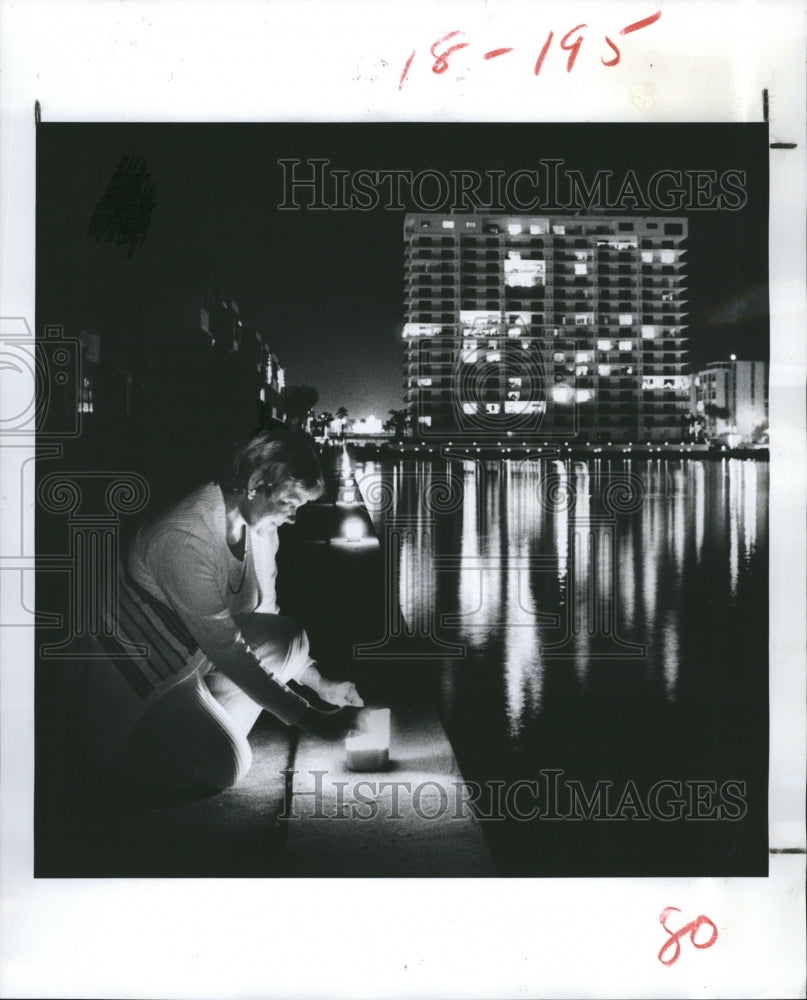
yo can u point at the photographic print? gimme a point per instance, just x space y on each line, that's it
402 449
402 500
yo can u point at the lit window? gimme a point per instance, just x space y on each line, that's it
582 319
493 344
583 356
647 256
425 420
581 370
559 230
514 381
493 407
558 357
514 228
581 255
625 345
469 408
648 332
424 382
604 369
626 319
668 256
420 330
562 394
581 268
494 356
470 357
537 228
604 345
470 225
520 273
584 395
525 344
448 224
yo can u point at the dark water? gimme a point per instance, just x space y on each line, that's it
598 631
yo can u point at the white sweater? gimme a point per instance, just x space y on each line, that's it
181 558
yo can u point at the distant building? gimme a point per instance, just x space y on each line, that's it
730 399
558 326
180 371
220 321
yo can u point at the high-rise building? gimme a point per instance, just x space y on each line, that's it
557 326
730 399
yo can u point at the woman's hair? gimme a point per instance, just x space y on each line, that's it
278 458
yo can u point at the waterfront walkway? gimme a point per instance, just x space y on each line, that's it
298 812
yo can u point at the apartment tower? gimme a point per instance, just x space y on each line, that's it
554 327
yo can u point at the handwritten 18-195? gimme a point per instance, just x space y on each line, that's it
444 48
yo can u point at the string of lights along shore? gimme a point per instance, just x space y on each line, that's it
560 327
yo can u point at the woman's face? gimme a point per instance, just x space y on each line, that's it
268 510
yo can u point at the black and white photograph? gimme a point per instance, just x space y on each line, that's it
402 541
410 511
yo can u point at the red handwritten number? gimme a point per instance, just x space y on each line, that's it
574 48
617 57
440 64
542 55
441 60
675 936
406 69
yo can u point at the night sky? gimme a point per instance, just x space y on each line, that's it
327 286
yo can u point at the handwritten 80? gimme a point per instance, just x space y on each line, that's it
443 48
671 949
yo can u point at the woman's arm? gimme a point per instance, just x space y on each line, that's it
185 570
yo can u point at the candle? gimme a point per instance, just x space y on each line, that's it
368 750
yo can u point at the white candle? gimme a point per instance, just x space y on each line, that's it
368 750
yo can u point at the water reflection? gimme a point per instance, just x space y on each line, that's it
590 564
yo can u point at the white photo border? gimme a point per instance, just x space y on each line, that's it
285 61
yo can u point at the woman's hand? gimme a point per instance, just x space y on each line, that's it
340 693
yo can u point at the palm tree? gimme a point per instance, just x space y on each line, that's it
718 412
342 414
398 422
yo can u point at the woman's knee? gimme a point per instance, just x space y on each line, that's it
275 637
225 766
214 765
187 740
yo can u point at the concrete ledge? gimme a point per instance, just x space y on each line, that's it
410 820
